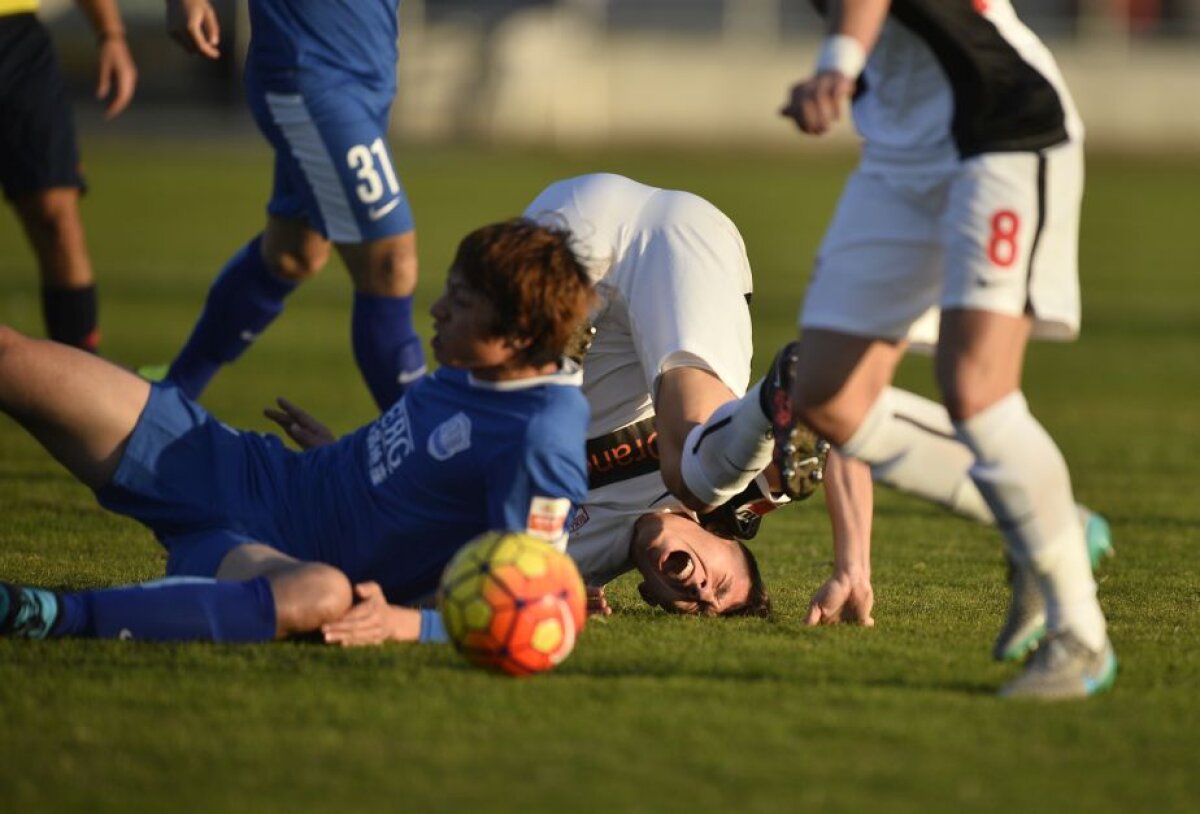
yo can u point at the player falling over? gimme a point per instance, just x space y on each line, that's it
668 369
670 355
263 542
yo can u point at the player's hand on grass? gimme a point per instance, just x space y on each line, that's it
301 427
816 104
117 74
193 24
843 598
597 602
371 620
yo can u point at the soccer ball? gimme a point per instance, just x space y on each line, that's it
513 603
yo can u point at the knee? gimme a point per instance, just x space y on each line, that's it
50 213
300 261
386 268
9 338
965 394
310 596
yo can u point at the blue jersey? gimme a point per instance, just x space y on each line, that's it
450 460
390 502
328 39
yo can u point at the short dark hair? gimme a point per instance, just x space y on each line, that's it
536 283
757 603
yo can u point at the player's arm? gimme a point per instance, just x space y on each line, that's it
116 71
193 24
816 103
685 397
847 595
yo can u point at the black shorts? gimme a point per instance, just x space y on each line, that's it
37 137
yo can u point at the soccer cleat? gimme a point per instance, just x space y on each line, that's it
27 613
154 373
1064 667
1098 535
1025 624
799 453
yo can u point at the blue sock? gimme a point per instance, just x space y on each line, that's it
242 302
386 346
172 610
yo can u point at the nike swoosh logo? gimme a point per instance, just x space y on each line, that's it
410 376
248 336
377 212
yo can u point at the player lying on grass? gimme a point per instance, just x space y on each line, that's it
263 542
670 352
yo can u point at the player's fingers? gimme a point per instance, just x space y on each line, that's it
368 589
205 34
814 614
126 81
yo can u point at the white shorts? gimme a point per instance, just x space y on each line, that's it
998 233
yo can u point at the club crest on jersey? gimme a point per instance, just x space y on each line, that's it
450 437
547 516
389 442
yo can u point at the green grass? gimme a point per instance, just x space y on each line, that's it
651 713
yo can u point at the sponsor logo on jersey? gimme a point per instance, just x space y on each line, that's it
547 516
624 453
389 442
579 520
451 437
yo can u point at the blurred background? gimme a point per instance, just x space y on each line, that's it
601 73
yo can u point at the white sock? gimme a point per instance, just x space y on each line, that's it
929 461
910 444
722 455
1024 479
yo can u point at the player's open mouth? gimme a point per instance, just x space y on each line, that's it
677 566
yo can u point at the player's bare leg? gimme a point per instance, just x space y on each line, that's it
307 594
387 348
55 230
79 407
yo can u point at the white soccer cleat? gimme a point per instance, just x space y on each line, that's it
1064 667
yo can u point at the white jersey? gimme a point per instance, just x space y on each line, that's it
673 279
951 79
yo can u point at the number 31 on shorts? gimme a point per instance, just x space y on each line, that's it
369 162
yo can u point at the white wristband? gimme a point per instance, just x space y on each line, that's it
842 53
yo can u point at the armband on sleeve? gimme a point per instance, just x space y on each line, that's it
740 516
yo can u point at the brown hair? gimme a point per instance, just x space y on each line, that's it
757 602
534 280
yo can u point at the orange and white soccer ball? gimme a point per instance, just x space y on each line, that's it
511 602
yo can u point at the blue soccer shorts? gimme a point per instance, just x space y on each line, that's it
201 486
333 166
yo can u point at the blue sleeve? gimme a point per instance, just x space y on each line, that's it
536 486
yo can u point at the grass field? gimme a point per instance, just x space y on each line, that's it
651 714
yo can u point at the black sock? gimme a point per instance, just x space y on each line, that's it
71 316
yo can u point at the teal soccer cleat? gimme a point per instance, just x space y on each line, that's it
1064 667
26 613
1025 624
